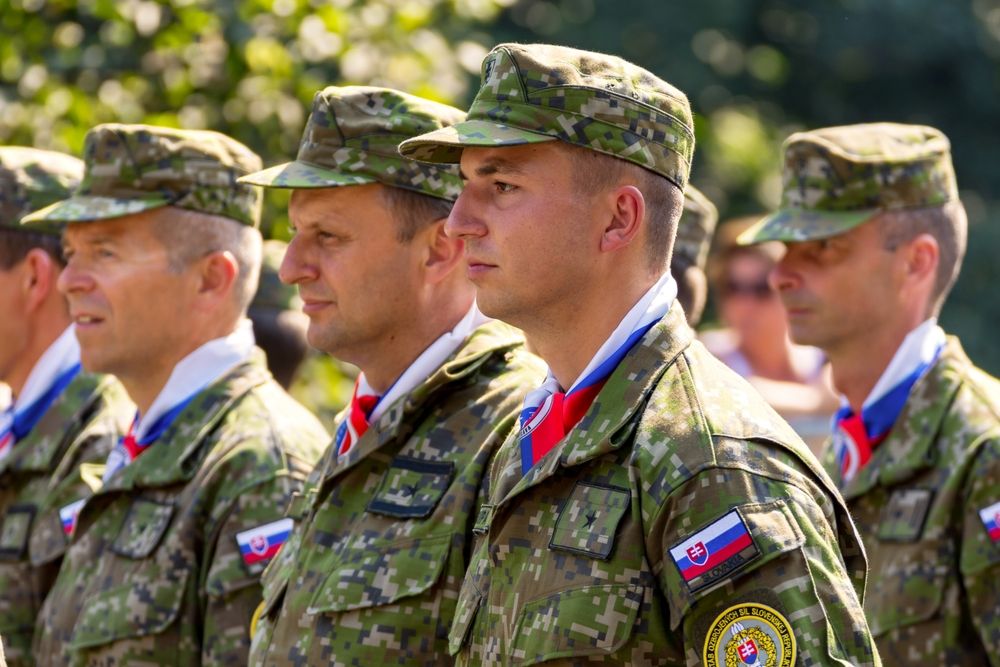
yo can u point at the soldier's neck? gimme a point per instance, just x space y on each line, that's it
41 337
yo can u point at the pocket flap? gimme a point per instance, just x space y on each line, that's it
143 528
906 583
15 530
134 609
411 488
378 576
592 620
50 537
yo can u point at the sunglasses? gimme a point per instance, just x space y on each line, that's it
758 290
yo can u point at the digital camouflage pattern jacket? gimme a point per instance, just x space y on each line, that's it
681 522
155 574
371 575
927 505
56 465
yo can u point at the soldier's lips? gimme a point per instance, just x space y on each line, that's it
85 321
476 268
312 306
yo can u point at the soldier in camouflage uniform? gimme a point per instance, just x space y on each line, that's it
875 235
64 421
162 260
372 571
687 265
657 512
279 325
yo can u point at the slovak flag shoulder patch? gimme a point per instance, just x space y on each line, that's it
990 517
68 515
259 545
715 551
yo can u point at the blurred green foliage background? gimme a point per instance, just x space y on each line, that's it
755 71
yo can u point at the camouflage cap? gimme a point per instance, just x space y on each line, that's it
135 168
31 179
694 231
272 293
536 92
352 138
836 178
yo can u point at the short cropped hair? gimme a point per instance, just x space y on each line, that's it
16 243
948 224
190 235
412 210
595 172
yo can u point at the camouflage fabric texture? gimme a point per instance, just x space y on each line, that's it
574 562
934 580
695 229
57 464
31 179
536 92
352 136
154 574
372 572
272 294
836 178
135 168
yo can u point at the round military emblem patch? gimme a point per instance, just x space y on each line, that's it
749 634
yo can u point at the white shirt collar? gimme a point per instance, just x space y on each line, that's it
919 347
198 370
61 355
425 364
652 306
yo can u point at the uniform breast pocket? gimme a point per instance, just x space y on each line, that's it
587 621
906 582
412 488
378 576
149 584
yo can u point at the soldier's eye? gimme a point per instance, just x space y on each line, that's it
504 188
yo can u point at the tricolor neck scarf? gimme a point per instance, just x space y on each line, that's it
549 413
856 436
190 377
367 406
52 373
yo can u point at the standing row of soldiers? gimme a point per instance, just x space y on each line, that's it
628 500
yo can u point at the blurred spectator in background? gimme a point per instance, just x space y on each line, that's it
754 342
279 325
687 266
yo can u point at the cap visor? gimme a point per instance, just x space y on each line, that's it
86 208
445 145
794 225
303 175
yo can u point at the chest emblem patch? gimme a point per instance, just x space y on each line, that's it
68 515
991 520
749 634
259 545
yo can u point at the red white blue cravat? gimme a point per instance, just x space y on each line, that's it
16 423
856 436
549 413
363 402
130 445
6 431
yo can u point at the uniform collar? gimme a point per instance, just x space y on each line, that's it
426 363
486 340
178 453
909 447
196 371
62 355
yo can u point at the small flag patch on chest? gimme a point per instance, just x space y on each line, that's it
991 519
259 545
68 515
714 551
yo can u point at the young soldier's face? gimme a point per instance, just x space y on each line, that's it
359 283
837 290
130 307
529 237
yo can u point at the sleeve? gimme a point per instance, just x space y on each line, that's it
752 569
979 562
251 534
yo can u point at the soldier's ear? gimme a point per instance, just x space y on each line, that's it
443 253
217 275
922 255
627 213
40 273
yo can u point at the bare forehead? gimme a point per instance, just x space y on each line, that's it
137 226
526 159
